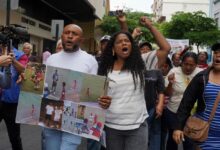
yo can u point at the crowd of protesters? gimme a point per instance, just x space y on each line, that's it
152 94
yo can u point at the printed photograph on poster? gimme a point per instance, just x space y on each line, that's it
32 79
90 121
69 116
59 85
63 84
91 88
83 120
28 110
51 113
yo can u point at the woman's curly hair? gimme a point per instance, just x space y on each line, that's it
133 63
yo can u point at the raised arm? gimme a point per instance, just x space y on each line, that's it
164 46
122 20
136 32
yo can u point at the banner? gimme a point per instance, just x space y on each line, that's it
62 99
177 45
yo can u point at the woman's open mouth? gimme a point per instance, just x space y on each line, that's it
125 50
217 61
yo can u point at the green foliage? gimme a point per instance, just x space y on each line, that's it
110 24
197 27
205 38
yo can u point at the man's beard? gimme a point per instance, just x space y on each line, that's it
73 49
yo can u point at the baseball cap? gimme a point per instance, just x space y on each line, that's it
105 38
145 43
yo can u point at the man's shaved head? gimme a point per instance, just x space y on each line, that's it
75 26
71 37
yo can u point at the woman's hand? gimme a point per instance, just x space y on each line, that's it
171 78
159 110
136 32
178 136
120 16
105 101
145 21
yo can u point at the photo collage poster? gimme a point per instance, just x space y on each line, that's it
62 99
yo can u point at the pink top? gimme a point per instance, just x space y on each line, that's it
23 60
46 55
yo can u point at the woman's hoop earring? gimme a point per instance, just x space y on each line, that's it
113 53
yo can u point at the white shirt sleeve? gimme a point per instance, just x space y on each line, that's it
94 66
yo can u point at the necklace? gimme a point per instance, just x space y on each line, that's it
187 80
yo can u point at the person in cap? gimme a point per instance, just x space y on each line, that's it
103 43
145 47
204 89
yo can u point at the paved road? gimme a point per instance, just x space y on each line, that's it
31 136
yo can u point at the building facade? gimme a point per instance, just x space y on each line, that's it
164 9
36 17
215 10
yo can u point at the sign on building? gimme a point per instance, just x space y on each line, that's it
57 28
14 4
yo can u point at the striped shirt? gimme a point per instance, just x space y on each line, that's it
213 141
150 60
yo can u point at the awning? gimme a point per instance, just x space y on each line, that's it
69 10
74 9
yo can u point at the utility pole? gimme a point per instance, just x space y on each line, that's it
8 8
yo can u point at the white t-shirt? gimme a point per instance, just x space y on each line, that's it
128 109
46 55
49 109
179 86
57 114
77 61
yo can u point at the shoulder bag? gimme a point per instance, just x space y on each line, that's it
198 129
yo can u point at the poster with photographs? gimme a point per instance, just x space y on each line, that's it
32 83
62 99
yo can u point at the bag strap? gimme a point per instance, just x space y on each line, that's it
214 107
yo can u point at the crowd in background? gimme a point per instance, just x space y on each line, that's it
150 94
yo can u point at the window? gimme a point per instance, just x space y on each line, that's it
44 27
103 3
28 21
216 1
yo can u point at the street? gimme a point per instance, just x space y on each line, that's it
31 138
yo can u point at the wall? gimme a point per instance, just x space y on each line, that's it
215 12
36 34
99 5
172 6
168 7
